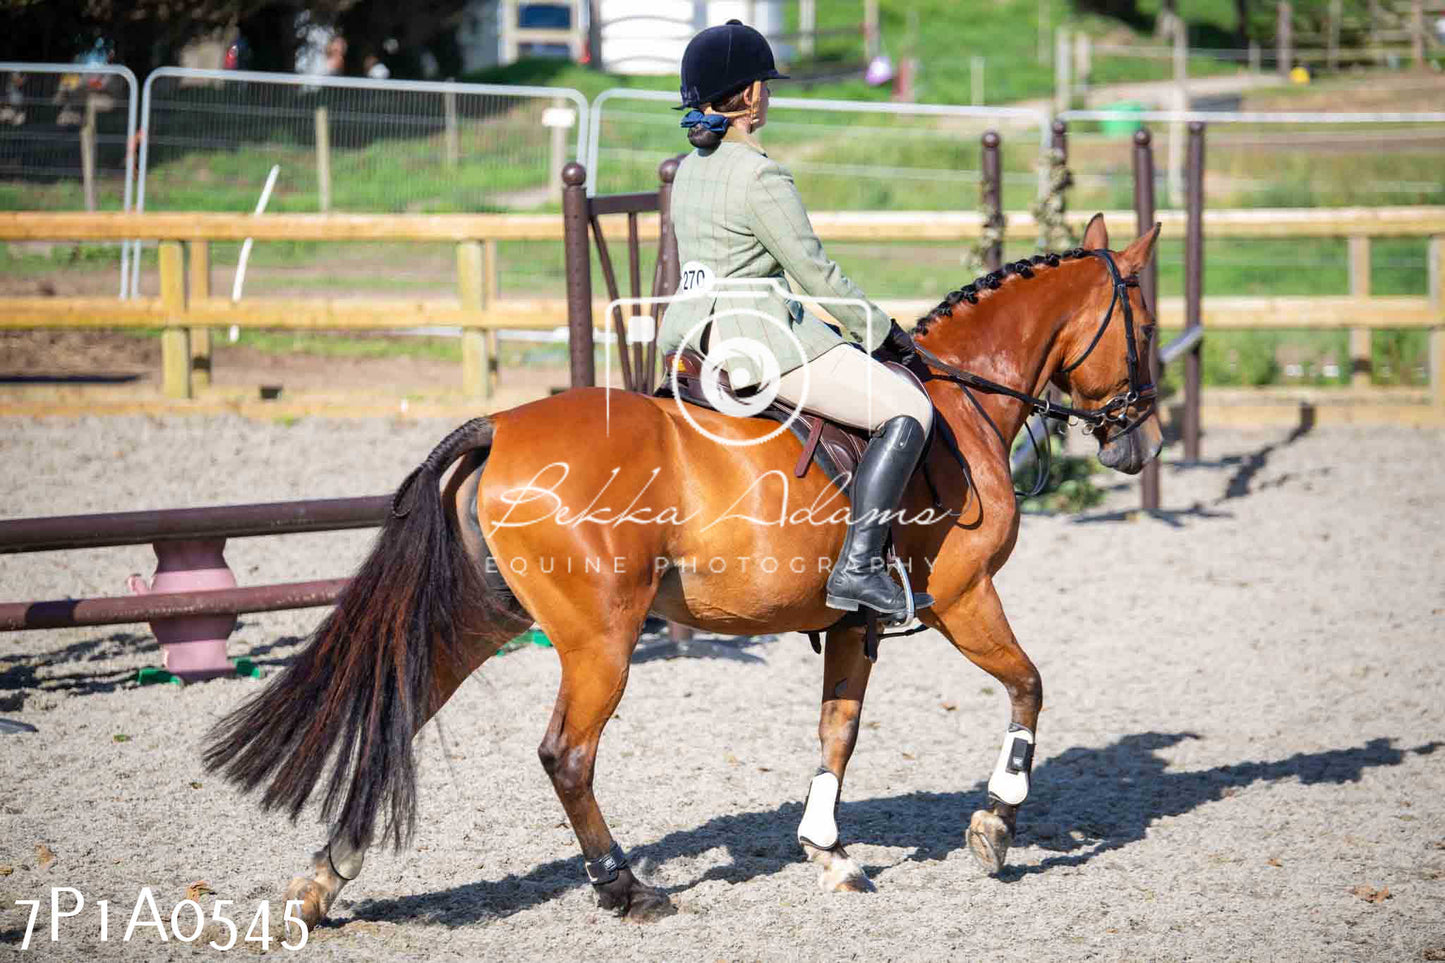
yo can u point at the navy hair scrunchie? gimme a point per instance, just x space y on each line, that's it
717 123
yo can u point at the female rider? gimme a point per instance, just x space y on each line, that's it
737 214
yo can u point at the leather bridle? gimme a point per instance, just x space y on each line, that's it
1141 395
1116 409
1141 388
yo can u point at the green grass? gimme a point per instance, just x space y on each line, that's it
1071 487
505 152
393 175
944 36
842 161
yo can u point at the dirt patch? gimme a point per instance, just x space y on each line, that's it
46 279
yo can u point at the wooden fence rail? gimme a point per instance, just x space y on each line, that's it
186 311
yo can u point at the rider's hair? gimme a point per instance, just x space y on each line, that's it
704 139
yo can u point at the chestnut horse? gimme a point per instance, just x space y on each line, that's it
543 522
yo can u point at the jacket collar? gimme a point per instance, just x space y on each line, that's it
736 135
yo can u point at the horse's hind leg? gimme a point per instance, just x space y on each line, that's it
845 680
977 627
339 861
336 864
593 678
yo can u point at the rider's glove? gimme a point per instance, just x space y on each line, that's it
897 346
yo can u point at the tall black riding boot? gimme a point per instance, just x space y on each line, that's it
861 575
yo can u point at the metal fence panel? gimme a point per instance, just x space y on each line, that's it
393 145
1265 159
68 136
848 156
1285 159
353 144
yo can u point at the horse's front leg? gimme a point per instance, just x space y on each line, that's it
845 679
976 626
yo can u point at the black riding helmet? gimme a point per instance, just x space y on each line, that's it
722 60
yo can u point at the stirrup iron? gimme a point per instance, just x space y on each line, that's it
913 600
916 600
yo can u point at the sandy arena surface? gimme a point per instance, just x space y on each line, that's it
1240 754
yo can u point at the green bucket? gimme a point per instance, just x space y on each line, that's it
1122 126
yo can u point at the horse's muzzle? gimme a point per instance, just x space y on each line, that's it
1130 451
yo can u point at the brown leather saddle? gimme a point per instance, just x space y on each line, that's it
837 448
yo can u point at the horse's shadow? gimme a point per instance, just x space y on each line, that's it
1086 801
658 647
1240 484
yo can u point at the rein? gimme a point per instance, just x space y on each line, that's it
1115 411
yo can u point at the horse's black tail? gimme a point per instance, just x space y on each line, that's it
363 686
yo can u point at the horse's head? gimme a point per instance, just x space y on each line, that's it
1098 369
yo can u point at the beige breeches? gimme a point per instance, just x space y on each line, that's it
847 385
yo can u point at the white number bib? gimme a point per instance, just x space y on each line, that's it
696 278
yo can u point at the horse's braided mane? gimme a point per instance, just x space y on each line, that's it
991 282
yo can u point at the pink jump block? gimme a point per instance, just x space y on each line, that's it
193 647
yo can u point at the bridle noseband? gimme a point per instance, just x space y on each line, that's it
1141 394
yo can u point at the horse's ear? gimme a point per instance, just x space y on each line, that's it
1137 255
1096 235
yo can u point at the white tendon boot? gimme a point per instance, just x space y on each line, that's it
819 827
1010 780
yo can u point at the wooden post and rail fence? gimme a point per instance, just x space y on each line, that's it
185 310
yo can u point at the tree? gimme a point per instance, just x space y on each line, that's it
144 34
415 26
141 33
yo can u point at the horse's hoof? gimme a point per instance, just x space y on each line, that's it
312 897
841 875
649 905
989 839
854 882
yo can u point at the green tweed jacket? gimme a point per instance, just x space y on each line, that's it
737 213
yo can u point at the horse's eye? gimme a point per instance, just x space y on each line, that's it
1148 330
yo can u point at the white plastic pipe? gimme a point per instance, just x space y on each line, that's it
235 331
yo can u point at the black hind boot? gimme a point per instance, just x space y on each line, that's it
861 575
